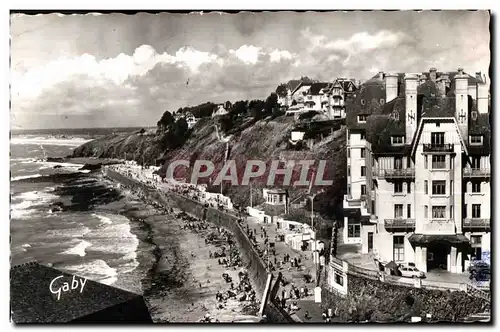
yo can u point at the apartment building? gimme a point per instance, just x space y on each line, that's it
418 169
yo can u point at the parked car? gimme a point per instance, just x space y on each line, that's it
411 272
479 271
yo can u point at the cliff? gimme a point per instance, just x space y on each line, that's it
247 139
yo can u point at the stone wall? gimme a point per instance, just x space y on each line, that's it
255 265
373 300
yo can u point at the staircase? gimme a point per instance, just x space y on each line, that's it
476 292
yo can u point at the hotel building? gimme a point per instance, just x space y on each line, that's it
418 169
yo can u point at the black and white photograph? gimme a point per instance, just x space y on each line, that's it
276 167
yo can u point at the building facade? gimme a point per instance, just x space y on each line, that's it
418 169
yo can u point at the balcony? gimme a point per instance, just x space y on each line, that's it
403 173
443 148
476 224
399 225
477 172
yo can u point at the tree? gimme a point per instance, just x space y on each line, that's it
166 120
239 107
282 90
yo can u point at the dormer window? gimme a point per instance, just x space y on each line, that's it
362 118
397 140
476 140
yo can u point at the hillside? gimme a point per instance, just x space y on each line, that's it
266 140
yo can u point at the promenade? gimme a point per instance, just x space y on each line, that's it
297 267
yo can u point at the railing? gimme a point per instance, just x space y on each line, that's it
399 224
396 173
477 172
359 202
438 147
476 223
357 271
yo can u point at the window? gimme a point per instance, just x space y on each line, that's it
408 211
348 190
426 211
475 240
397 140
348 153
476 140
354 230
363 135
476 210
348 171
363 170
408 187
339 280
439 187
362 102
398 163
451 187
408 162
464 211
476 187
426 187
362 118
363 189
438 212
452 162
425 161
476 162
398 187
399 248
451 211
438 161
437 138
363 153
398 211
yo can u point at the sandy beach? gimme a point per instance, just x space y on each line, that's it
182 280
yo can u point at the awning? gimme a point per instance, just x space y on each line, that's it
428 239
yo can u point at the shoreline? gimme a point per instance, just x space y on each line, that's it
191 280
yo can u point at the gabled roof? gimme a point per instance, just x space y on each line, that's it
292 84
416 137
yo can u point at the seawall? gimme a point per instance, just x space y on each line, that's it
255 265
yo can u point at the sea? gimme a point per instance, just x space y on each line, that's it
86 238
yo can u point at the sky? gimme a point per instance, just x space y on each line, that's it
117 70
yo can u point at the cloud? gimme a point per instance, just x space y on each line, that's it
135 87
247 53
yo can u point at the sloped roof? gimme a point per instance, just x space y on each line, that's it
369 100
293 84
316 88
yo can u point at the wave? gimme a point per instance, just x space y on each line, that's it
48 141
23 177
103 219
25 203
97 270
79 249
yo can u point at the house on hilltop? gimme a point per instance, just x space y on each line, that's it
219 111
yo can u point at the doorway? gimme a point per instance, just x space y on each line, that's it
370 241
437 256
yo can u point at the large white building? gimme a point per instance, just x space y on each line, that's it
418 169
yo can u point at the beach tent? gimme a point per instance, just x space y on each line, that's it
42 294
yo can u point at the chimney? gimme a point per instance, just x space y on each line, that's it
462 102
432 74
391 87
381 75
411 84
479 76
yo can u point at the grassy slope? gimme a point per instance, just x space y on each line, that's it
264 140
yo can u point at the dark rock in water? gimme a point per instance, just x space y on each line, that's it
91 166
57 166
55 160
